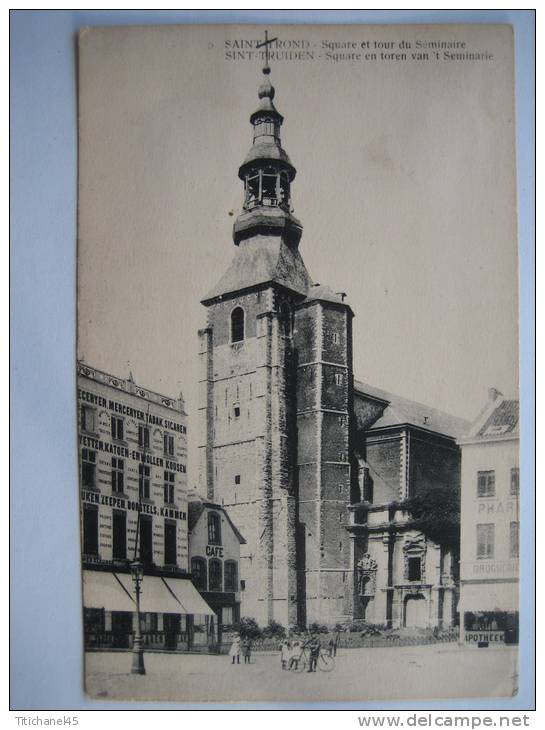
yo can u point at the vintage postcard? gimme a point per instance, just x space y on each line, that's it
297 362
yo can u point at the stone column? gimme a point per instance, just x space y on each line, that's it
378 549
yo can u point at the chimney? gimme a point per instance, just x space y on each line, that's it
493 394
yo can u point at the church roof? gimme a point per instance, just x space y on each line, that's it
261 260
401 410
266 151
324 293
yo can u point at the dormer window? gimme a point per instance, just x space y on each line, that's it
237 324
214 529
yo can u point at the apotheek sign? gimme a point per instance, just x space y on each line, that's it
493 637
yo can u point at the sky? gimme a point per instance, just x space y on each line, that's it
405 188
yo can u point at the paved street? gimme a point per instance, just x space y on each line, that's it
360 674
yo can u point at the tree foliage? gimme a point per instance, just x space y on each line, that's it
437 514
248 628
274 630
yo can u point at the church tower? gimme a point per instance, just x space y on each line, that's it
275 400
247 374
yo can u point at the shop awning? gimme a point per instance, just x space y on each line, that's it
188 597
115 592
155 597
104 590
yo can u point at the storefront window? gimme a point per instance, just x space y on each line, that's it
90 529
146 544
198 571
230 575
214 571
227 615
119 547
170 542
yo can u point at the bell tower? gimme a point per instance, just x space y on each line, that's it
267 174
247 375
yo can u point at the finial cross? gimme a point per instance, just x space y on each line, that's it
267 42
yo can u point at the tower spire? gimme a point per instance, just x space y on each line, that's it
267 172
267 42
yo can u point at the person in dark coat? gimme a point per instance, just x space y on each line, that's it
247 650
314 648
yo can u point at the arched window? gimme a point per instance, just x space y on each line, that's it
198 571
214 529
231 575
237 324
214 575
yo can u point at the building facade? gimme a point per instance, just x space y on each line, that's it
403 578
133 498
285 443
489 568
214 558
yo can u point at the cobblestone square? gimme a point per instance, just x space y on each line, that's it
359 674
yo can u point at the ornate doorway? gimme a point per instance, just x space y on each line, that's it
416 611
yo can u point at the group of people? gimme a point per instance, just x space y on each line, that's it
240 646
290 650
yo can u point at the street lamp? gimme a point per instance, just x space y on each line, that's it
137 572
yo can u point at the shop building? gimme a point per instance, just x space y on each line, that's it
214 558
133 498
489 567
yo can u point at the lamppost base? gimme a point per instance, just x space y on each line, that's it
138 663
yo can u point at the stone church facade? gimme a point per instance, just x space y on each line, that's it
287 443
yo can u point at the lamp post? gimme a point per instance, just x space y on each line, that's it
137 572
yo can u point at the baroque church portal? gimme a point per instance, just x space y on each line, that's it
307 464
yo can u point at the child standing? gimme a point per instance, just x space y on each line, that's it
247 650
285 653
234 651
295 655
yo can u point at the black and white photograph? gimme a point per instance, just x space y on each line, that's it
297 362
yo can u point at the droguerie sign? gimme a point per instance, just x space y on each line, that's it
477 637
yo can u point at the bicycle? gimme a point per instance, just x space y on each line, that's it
325 663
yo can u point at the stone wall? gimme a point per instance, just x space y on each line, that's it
324 408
